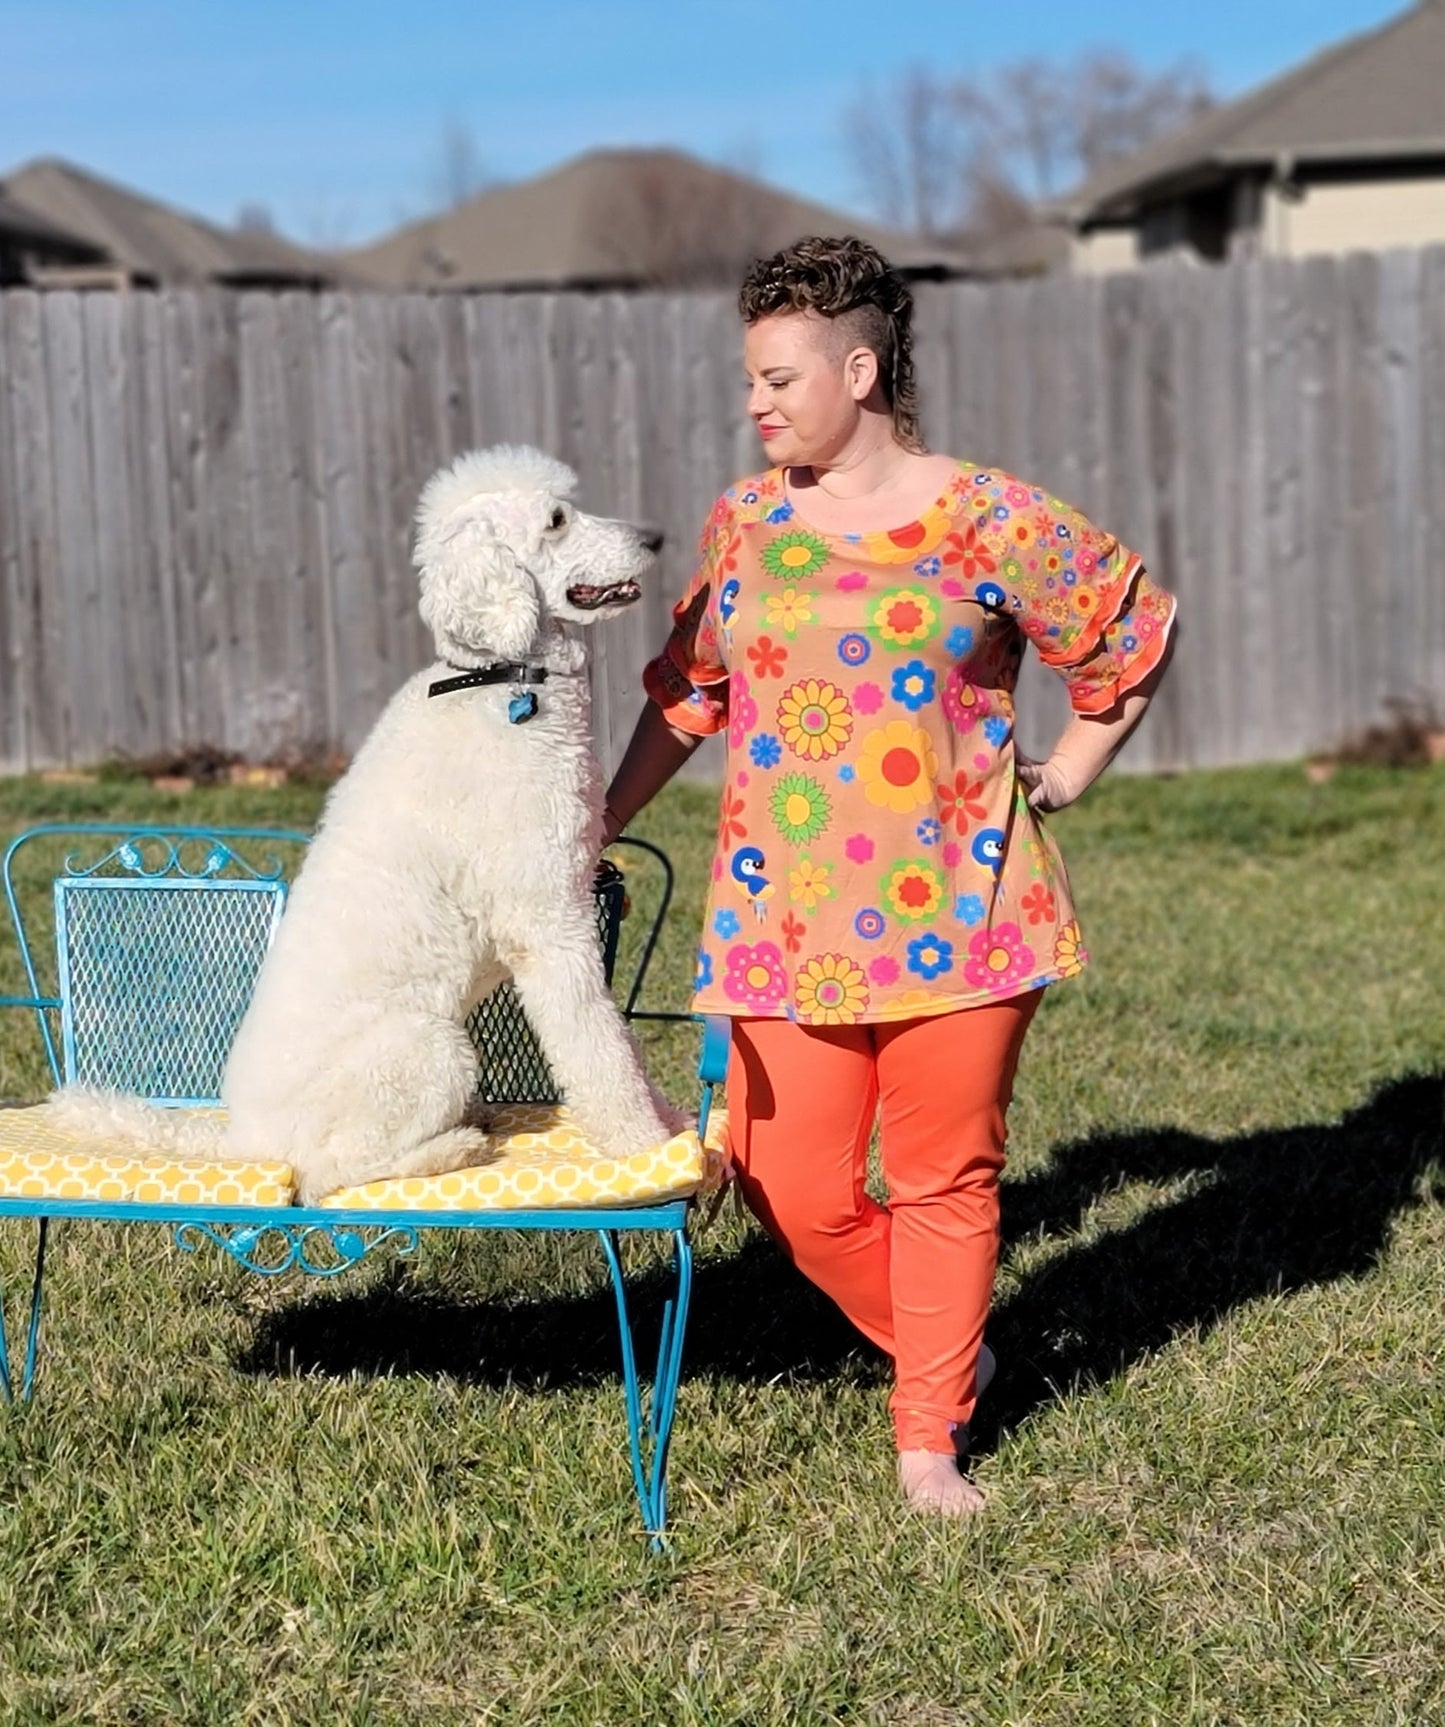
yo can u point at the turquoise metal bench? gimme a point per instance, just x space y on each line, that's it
159 933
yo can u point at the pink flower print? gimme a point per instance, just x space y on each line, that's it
952 855
951 588
1017 497
999 959
850 581
1085 562
859 849
883 971
964 703
756 976
867 699
742 710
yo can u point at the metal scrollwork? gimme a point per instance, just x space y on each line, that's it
272 1248
154 856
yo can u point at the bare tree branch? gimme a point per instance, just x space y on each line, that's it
969 155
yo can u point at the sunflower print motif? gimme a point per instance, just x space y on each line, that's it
831 990
800 808
815 719
864 687
798 555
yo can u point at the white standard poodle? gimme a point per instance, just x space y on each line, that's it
456 852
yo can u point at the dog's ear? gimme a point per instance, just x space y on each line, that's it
474 590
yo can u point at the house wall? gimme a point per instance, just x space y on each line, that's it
1103 250
1357 216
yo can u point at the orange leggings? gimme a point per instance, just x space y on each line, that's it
915 1276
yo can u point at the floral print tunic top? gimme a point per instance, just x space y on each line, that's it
876 856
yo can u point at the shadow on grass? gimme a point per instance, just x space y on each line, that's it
753 1318
1265 1212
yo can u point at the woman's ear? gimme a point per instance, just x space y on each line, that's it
474 590
860 369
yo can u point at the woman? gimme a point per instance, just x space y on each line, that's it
885 903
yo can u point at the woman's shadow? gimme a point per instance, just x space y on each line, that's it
1260 1213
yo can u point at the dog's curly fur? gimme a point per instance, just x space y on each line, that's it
457 851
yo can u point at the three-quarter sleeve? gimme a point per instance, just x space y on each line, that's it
1088 606
689 679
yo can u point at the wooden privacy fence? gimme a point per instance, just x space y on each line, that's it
206 497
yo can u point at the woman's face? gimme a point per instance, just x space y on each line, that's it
803 395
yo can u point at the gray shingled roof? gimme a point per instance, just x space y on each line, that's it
621 218
154 242
1376 96
20 224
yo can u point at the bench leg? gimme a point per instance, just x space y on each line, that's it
32 1338
650 1432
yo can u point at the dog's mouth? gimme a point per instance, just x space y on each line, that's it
588 596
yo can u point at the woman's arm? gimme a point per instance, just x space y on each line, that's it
1086 746
654 754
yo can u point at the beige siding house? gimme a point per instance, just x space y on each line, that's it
1345 153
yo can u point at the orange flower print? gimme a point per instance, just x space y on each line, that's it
969 552
730 825
1039 904
794 929
768 658
965 800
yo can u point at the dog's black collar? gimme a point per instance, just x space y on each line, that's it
504 672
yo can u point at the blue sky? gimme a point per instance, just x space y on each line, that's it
332 114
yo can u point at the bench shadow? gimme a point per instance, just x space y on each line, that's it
1260 1213
752 1318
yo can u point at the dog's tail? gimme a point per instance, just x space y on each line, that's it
114 1118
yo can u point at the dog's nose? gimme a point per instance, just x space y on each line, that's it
650 536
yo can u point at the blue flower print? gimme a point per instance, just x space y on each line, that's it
780 512
847 773
854 649
766 750
960 640
725 924
928 566
995 729
968 909
913 685
929 831
870 923
988 848
727 602
1001 512
703 977
930 956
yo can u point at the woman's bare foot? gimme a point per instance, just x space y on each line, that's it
931 1481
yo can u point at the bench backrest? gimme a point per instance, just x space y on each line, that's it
159 937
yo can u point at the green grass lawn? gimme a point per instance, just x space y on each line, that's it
1215 1452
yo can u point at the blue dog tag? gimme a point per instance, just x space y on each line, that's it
522 706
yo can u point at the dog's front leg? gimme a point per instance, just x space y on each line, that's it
586 1041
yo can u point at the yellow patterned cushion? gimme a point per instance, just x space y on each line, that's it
39 1161
545 1162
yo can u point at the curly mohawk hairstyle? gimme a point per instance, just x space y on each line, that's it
851 282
